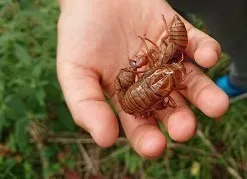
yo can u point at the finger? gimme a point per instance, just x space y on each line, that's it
67 4
86 102
202 48
144 135
180 122
203 92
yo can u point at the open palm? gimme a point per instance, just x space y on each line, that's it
95 39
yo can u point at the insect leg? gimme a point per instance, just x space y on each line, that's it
164 20
162 50
163 40
182 57
150 61
179 87
145 38
171 100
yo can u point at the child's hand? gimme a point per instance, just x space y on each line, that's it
95 39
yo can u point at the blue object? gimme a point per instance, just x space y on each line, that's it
229 89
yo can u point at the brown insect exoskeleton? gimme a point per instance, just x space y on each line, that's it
152 90
171 45
175 40
126 77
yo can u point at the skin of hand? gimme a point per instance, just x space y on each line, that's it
95 39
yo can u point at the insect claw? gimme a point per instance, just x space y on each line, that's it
141 37
182 58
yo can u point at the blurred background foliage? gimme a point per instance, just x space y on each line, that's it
38 138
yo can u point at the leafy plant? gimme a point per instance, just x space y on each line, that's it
38 135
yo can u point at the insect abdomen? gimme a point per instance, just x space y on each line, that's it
178 33
139 99
124 79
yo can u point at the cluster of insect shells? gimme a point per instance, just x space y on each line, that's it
132 94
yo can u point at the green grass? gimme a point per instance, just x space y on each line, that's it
39 139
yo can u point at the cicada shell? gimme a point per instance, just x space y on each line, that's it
178 34
151 91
